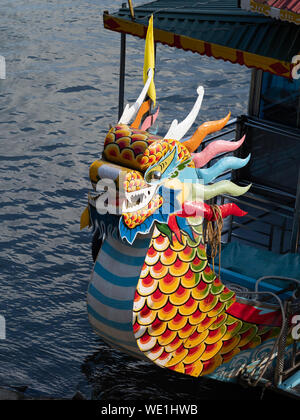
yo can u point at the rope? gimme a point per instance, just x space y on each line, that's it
213 234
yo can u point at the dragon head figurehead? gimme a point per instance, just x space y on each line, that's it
143 178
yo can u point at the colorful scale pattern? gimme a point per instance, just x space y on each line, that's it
138 149
125 145
159 149
179 314
134 181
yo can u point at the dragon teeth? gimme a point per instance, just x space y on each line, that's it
136 200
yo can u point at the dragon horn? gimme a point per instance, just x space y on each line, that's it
177 131
206 128
224 164
193 209
130 111
224 187
215 148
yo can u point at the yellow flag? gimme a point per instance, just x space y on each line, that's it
149 60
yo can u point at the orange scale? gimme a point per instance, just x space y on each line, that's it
147 285
221 320
178 368
209 366
123 142
186 331
195 353
157 328
247 336
160 243
208 303
112 149
211 350
138 330
158 270
198 265
177 356
139 161
205 323
179 268
174 345
201 291
187 254
196 338
201 252
146 342
190 279
208 274
110 138
178 322
168 257
152 159
146 338
157 300
123 132
167 337
168 284
217 310
167 313
216 335
144 160
139 147
178 246
232 329
136 137
154 353
230 345
256 341
139 302
152 256
146 316
228 356
194 369
127 155
189 307
180 297
197 317
163 359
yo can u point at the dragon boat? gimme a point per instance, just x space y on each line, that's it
159 290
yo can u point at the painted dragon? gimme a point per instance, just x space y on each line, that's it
152 291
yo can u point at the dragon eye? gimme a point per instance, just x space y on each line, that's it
155 175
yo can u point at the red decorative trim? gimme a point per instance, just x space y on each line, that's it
253 315
249 60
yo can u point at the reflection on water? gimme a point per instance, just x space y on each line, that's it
60 95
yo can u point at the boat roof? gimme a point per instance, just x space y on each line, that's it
286 10
214 28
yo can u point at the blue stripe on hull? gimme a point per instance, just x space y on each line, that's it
123 258
112 339
111 291
117 325
113 303
113 278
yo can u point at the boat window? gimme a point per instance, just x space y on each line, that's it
275 157
280 100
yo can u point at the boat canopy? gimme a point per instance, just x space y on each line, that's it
218 28
286 10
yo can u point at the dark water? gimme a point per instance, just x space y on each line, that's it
60 96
